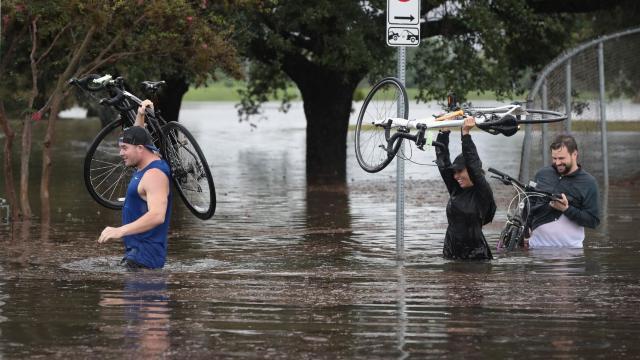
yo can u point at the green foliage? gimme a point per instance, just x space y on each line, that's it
467 46
502 42
140 40
288 39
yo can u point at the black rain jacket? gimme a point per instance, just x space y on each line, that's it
468 209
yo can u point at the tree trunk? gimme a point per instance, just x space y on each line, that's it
47 150
170 98
25 157
9 185
55 101
327 106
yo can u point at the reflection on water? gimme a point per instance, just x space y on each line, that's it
139 314
111 264
284 270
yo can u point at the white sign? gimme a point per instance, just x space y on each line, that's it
403 22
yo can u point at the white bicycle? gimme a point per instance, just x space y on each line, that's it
379 132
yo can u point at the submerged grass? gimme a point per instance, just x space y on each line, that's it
228 91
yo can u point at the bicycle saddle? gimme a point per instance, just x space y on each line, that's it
506 125
152 86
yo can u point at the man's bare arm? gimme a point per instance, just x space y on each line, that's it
155 185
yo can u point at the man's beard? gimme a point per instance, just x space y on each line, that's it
567 168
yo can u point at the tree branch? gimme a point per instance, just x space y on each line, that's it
117 38
447 26
573 6
75 59
55 39
12 46
32 61
92 66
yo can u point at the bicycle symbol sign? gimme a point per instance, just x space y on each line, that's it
403 22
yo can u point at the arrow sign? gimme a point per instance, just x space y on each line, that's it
403 12
403 23
410 18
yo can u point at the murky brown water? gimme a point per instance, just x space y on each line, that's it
284 271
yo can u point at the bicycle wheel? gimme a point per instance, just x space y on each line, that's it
373 150
513 238
503 239
542 117
190 171
105 175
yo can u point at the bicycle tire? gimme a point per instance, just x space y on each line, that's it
189 170
371 143
502 240
513 238
105 175
551 117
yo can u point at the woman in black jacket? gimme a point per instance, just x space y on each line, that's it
471 202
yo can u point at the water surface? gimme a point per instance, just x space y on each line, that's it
289 271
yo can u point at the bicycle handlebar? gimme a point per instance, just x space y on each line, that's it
505 178
102 80
95 82
114 100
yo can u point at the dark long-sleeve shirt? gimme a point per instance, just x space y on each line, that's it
469 208
580 188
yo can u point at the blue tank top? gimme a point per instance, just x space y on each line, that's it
150 247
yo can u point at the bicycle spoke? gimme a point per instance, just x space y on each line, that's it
123 173
104 176
372 148
188 171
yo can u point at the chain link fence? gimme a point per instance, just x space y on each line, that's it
598 85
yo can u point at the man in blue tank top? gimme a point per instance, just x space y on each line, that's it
147 205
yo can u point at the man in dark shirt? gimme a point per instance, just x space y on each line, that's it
561 223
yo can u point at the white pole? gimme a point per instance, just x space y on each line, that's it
567 106
400 163
603 116
545 127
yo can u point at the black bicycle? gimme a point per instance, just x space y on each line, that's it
519 209
105 175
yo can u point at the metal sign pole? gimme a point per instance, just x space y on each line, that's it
402 57
403 29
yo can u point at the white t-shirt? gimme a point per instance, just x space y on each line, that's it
560 233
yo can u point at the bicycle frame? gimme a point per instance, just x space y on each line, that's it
128 115
190 172
404 126
519 207
446 119
379 131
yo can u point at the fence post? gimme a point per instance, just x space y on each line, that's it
545 127
603 116
567 104
525 154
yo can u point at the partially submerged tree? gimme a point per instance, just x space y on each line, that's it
326 48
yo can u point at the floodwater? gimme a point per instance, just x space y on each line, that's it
287 271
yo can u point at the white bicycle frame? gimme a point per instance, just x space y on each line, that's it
521 199
436 123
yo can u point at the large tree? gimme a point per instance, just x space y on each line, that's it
328 47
